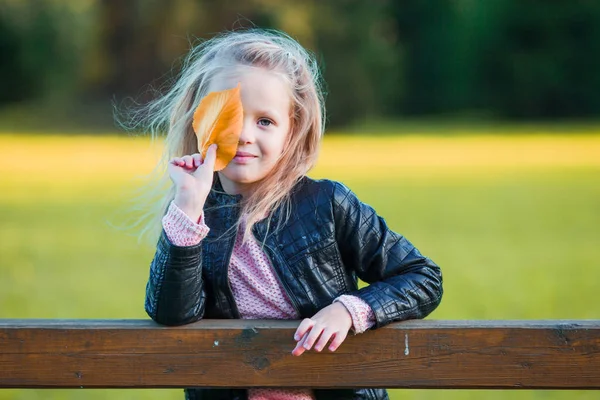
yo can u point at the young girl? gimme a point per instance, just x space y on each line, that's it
259 239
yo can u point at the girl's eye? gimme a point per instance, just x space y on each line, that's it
265 122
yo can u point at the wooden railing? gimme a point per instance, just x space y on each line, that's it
242 353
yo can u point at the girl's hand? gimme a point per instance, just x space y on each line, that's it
192 178
333 321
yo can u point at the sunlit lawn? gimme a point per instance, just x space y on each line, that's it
513 220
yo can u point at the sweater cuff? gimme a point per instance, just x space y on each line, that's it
362 315
181 230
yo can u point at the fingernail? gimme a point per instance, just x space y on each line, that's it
306 346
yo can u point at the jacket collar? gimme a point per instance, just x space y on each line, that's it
218 196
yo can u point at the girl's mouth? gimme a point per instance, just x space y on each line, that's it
242 157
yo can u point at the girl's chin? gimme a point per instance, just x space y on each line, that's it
238 177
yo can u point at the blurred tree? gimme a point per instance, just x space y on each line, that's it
427 42
544 60
36 60
130 40
510 58
142 41
356 45
14 85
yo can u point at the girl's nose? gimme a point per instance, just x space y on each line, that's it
247 135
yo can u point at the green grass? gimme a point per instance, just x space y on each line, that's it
513 221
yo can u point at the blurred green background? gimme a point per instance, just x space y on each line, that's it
471 126
519 59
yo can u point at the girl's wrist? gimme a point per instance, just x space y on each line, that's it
189 206
343 310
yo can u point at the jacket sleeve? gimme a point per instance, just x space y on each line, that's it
403 284
175 293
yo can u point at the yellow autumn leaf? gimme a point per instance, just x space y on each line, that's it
219 119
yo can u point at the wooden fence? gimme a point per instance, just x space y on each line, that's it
242 353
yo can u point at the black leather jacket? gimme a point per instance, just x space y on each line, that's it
330 239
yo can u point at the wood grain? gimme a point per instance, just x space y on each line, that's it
237 353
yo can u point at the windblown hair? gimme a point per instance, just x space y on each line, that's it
172 114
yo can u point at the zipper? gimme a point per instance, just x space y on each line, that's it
272 256
283 284
229 294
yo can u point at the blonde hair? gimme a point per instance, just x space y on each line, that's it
172 113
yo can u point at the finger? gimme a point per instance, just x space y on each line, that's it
312 337
211 157
338 340
322 342
299 349
189 162
303 328
301 335
177 161
197 157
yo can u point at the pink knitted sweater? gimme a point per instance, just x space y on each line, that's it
256 290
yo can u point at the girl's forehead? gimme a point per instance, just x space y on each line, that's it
262 90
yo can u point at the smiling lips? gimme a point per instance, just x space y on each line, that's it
242 157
